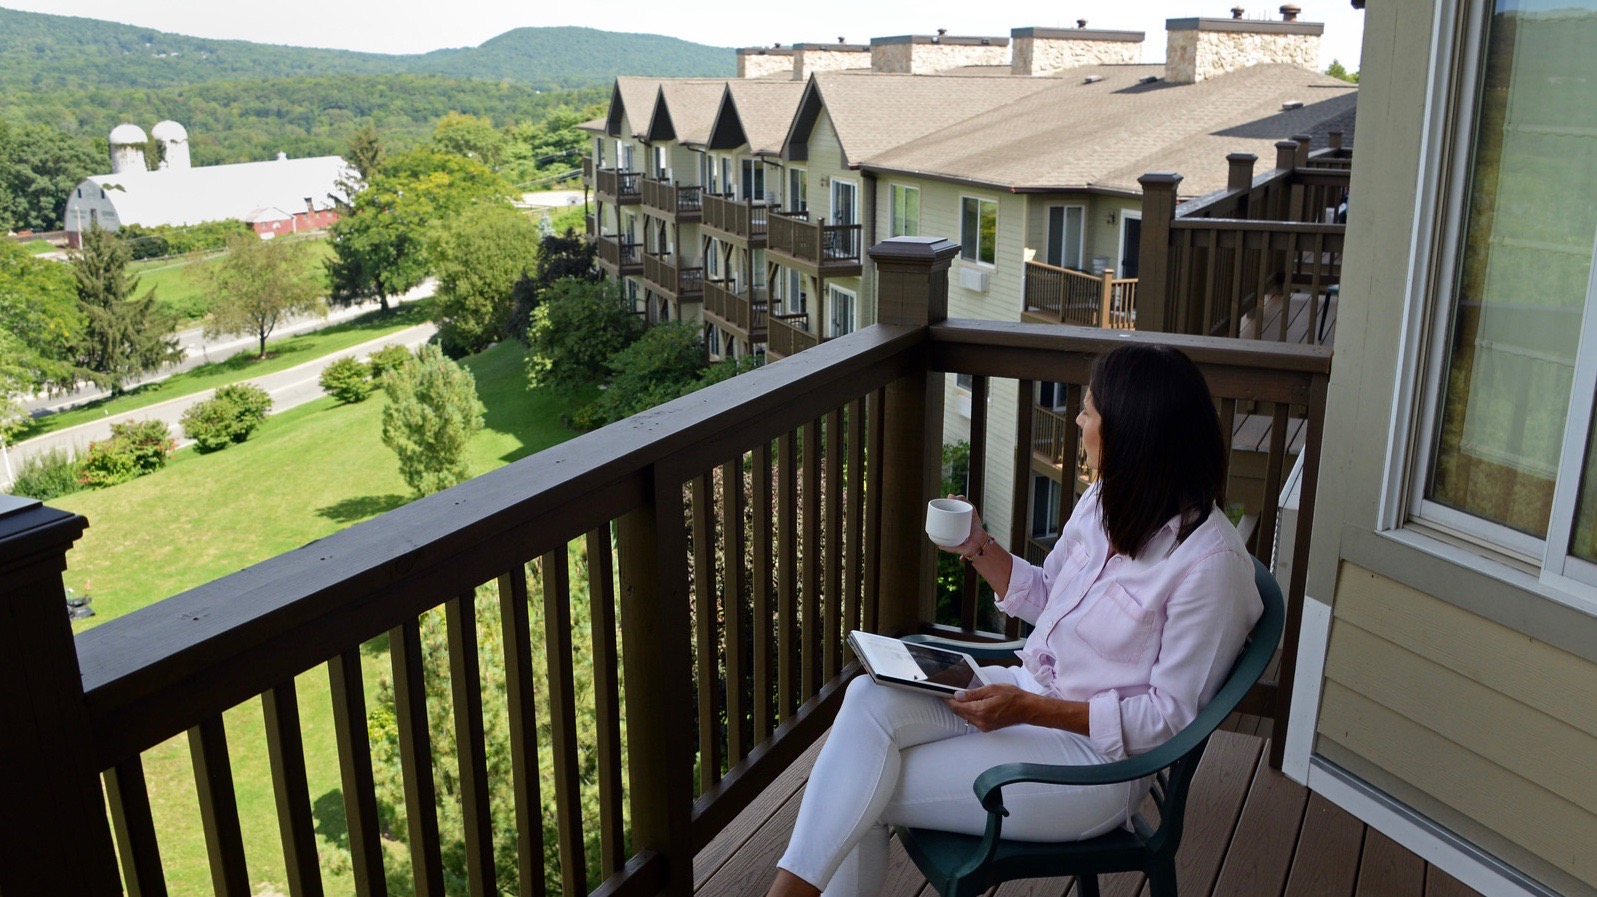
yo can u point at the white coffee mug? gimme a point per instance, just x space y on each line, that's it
948 521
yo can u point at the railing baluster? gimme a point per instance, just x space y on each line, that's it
285 751
1210 264
854 567
787 538
1274 468
1292 261
1020 487
832 574
606 699
707 667
760 569
1228 429
976 492
134 827
811 626
355 770
213 777
562 720
1069 472
732 594
520 695
415 755
465 680
1233 326
873 511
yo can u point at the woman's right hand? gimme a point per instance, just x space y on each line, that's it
977 535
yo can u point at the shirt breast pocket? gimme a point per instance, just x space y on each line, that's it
1116 627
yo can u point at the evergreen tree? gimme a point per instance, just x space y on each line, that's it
123 336
431 415
365 152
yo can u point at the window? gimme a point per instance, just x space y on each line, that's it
598 152
1066 236
662 169
1045 495
1510 458
797 194
906 211
967 382
707 173
712 260
753 180
726 174
1051 395
978 228
840 314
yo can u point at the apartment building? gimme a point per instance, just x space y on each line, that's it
1027 150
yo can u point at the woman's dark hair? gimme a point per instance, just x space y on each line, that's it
1161 453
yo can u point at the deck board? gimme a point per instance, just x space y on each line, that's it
1250 832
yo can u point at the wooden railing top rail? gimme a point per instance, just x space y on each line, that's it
160 670
1243 224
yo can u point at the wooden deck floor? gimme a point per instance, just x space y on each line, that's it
1251 832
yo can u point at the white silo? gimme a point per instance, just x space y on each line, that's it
127 148
174 140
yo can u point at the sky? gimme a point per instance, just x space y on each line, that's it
417 26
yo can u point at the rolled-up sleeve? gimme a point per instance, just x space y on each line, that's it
1028 589
1208 616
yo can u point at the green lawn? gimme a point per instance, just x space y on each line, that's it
281 355
38 247
183 284
305 474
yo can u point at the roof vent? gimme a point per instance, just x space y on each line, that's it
1237 11
986 43
1081 23
939 38
1291 104
841 39
1092 79
1147 79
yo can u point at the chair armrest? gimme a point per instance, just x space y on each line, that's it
983 652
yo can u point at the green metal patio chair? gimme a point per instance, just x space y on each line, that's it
965 865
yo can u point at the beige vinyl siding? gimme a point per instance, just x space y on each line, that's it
1496 726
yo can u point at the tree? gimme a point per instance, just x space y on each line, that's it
39 167
39 301
560 257
575 330
258 283
122 336
470 136
661 365
365 152
479 263
1337 70
431 415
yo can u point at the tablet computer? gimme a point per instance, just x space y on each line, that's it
918 667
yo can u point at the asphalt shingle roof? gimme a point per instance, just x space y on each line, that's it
691 103
765 109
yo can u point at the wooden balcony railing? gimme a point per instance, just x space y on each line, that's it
833 249
620 187
591 225
743 219
1058 295
708 555
742 312
680 201
1218 264
789 335
666 274
587 170
620 257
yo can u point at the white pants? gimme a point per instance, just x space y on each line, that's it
897 757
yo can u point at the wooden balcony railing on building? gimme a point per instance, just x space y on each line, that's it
681 202
741 219
1220 265
789 335
620 257
663 271
619 187
715 550
590 226
740 312
587 171
1056 295
831 250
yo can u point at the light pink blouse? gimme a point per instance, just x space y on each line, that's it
1146 642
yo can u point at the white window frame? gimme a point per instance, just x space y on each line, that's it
1081 238
752 170
788 202
662 163
1126 217
893 220
977 259
834 294
1441 207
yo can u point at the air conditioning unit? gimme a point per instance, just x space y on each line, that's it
973 279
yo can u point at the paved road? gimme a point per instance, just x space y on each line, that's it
197 350
288 388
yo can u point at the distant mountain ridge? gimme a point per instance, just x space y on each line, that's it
40 51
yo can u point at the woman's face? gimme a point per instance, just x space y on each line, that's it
1089 422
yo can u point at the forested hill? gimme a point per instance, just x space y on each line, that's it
40 52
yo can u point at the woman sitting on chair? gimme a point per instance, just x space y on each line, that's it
1138 611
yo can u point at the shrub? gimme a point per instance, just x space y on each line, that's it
347 380
664 363
47 475
134 449
386 359
228 417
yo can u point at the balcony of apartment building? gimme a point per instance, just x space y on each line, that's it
619 256
790 333
587 172
800 241
738 311
618 187
674 277
715 552
671 201
740 222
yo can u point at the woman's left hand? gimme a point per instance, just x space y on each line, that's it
993 706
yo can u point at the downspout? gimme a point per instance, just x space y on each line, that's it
870 235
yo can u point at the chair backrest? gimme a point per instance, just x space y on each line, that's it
1171 786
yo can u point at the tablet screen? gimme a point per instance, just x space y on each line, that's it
942 667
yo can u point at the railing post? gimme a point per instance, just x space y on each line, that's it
1239 180
1279 204
1156 307
1303 141
912 291
1335 142
52 808
1107 298
655 635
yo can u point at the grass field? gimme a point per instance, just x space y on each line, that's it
306 473
281 355
183 284
38 247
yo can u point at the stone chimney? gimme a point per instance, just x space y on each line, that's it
1207 48
811 58
1048 51
921 54
757 62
